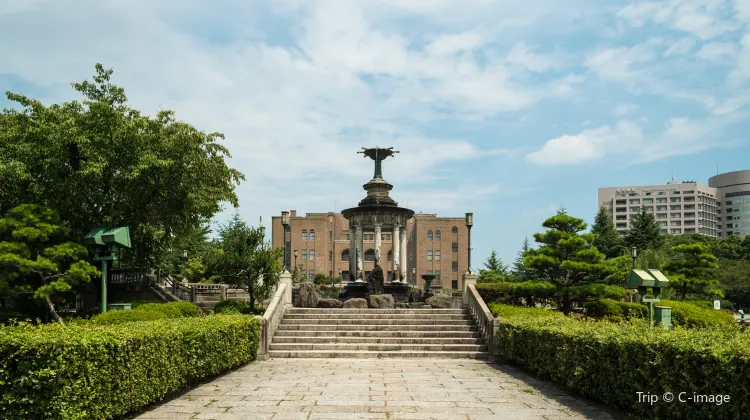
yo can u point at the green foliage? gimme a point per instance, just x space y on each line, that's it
528 292
690 315
101 163
693 271
729 248
237 307
734 280
36 255
616 311
521 272
507 311
148 312
578 355
495 270
94 372
566 257
608 241
587 292
644 232
241 258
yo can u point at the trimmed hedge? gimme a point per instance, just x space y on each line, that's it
89 371
507 311
684 314
616 311
612 362
512 293
237 307
148 312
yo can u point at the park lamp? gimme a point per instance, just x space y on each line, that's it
104 243
469 219
634 252
285 218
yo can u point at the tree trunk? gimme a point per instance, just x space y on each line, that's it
252 298
565 306
52 310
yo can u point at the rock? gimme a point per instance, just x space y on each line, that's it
308 296
415 295
330 303
380 301
401 305
375 281
355 303
440 301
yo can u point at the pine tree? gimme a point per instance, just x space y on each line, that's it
694 271
495 270
520 271
644 232
607 241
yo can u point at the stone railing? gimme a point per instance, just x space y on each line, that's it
274 313
479 311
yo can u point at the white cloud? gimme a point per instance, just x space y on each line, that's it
526 57
625 109
683 46
703 18
718 52
455 43
620 64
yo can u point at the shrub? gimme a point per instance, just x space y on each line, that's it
508 311
691 316
88 371
148 312
232 307
613 362
516 293
605 308
701 303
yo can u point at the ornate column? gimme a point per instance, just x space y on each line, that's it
378 227
396 254
360 255
402 259
352 250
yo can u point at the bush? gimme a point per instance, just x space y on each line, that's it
616 311
237 307
691 316
508 311
516 293
701 303
613 362
148 312
88 371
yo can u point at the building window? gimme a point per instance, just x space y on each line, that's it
437 235
429 235
454 266
454 229
665 231
370 255
663 224
675 223
675 207
429 255
661 215
330 255
330 235
661 208
390 255
674 215
635 201
675 200
304 234
454 284
311 276
304 274
345 255
312 234
661 200
437 255
345 274
454 245
675 231
648 201
621 202
304 254
623 217
621 209
312 255
437 276
635 209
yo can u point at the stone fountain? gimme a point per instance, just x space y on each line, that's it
377 213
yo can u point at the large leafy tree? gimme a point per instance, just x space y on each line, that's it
567 258
693 271
494 270
36 255
734 280
101 163
241 258
644 232
608 241
730 248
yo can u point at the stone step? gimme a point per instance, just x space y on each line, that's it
378 311
378 347
333 339
399 321
377 315
362 354
378 334
365 327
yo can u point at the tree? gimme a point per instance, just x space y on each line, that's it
495 270
730 248
520 271
644 232
242 259
102 163
567 257
734 280
693 271
608 241
37 256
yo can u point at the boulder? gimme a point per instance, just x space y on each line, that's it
330 303
380 301
308 296
401 305
355 303
440 301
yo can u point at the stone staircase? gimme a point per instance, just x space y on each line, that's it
377 333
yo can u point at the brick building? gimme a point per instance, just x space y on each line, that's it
436 245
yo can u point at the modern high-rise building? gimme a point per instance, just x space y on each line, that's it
436 245
719 209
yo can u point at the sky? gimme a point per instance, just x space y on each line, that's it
507 109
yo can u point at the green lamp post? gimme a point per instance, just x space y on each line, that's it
104 243
656 280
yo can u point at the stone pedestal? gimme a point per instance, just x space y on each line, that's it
469 278
286 278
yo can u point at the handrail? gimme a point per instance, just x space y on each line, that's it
482 316
271 320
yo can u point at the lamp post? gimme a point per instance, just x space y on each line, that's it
414 275
184 264
634 255
285 225
469 224
295 258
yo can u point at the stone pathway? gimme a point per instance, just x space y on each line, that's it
377 389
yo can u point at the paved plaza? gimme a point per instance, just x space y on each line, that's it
377 389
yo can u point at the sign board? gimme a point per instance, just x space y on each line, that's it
717 304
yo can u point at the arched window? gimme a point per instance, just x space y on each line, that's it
437 235
429 235
312 234
370 255
345 255
390 255
454 229
304 234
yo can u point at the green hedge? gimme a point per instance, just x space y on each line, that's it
613 310
684 314
507 311
89 371
612 362
148 312
513 293
237 307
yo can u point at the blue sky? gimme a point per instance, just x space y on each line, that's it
509 109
